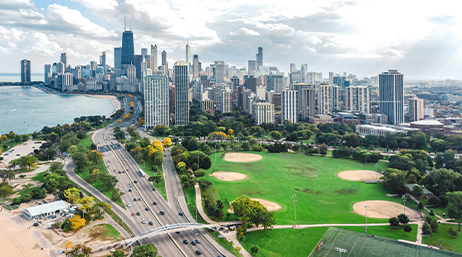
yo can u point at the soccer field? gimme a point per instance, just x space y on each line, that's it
338 242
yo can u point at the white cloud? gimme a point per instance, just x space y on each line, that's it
98 5
245 32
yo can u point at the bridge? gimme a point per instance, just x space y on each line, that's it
169 228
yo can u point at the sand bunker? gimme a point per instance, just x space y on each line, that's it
360 175
228 176
270 206
242 157
383 209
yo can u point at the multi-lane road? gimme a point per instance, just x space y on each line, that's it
149 203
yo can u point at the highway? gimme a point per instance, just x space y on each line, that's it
117 159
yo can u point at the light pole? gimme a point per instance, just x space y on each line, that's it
366 206
340 250
294 197
376 172
404 202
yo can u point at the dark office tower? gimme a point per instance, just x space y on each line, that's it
25 71
117 58
275 82
251 83
260 57
235 81
64 59
195 66
137 62
128 50
392 96
165 63
181 93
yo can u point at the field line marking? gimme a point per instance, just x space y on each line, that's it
332 245
352 249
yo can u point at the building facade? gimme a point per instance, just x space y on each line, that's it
416 109
306 99
391 95
263 112
274 82
289 105
358 99
128 50
25 71
181 93
156 100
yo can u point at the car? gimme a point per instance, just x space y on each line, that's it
193 242
153 189
185 242
181 213
198 252
139 199
138 214
178 232
155 203
123 171
147 209
120 172
134 199
198 241
150 223
143 221
114 170
135 181
128 205
162 212
129 190
133 214
17 154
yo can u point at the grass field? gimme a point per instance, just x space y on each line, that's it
448 242
40 177
190 195
322 197
300 242
86 143
357 244
105 232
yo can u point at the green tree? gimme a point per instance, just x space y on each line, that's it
148 250
407 228
6 190
323 149
72 149
80 161
434 225
118 253
417 191
161 130
56 166
52 182
455 205
254 249
426 228
394 222
108 181
276 135
403 219
95 156
7 175
452 232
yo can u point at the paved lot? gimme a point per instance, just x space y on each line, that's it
20 150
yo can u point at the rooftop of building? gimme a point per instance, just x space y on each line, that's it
45 208
427 122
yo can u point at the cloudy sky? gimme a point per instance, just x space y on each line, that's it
422 39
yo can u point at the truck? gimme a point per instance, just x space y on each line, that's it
141 172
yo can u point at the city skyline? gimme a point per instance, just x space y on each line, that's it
329 36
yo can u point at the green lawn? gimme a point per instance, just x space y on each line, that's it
108 232
448 242
322 197
40 177
300 242
86 142
190 195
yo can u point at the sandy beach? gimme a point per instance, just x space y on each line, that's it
114 101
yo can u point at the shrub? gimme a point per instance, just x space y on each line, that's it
199 173
254 249
434 225
452 232
428 219
426 229
394 221
432 213
407 228
421 205
434 200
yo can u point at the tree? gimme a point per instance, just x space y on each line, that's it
323 149
77 222
72 149
160 130
254 249
426 229
417 191
421 206
29 161
6 190
56 166
403 219
6 175
394 222
352 140
68 245
95 156
108 181
98 208
452 232
118 253
276 135
85 203
52 182
407 228
148 250
72 195
158 178
455 205
80 161
167 142
434 225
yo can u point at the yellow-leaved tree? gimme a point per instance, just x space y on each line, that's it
77 222
167 142
85 203
157 145
72 195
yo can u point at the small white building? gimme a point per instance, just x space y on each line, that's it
44 210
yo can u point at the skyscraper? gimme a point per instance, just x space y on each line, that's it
181 93
263 112
259 57
156 99
128 50
47 73
103 62
144 51
64 59
138 58
154 63
117 58
195 66
219 71
252 67
358 98
416 109
274 82
188 54
306 99
289 106
25 71
391 96
165 63
331 77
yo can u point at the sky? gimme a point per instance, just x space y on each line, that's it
419 38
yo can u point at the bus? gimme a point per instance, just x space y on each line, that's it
142 173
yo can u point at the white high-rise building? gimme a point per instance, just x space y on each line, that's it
358 99
227 100
156 99
328 99
289 106
154 63
219 71
416 109
67 81
263 112
196 67
331 77
188 54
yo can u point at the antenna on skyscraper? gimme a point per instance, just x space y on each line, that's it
125 24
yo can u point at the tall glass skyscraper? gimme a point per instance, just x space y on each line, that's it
25 71
391 93
181 93
128 50
260 57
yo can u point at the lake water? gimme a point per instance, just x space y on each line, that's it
24 110
16 77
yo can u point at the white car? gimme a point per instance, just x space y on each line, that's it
128 205
143 221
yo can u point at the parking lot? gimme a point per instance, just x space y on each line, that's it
20 150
